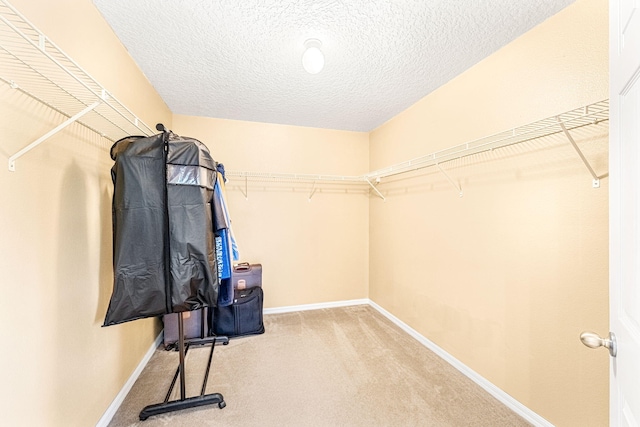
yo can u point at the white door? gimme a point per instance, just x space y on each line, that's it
624 210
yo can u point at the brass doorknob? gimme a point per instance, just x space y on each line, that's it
593 340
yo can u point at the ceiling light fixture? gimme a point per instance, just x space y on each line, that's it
312 58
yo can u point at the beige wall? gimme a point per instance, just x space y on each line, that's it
60 368
506 277
312 251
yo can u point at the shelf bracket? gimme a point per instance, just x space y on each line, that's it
34 144
596 178
375 189
245 193
457 187
313 191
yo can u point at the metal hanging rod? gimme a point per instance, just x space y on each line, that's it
34 65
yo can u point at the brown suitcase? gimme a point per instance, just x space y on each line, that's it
195 326
245 276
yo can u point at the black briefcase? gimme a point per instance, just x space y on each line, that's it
243 317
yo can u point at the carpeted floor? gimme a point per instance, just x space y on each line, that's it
345 366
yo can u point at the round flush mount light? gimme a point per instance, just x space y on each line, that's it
312 58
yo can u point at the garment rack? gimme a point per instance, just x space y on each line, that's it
202 399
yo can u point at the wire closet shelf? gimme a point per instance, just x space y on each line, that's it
591 114
35 66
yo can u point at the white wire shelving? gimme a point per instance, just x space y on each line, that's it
35 66
591 114
272 177
288 177
562 123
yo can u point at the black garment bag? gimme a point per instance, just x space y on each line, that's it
163 241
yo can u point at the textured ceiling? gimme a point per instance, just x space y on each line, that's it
242 59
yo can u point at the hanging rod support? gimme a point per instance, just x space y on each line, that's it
596 179
245 193
457 187
375 189
313 191
34 144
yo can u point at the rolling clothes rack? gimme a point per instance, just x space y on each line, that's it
183 346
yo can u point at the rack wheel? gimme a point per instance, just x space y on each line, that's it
222 404
225 343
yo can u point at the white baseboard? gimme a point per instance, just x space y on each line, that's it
317 306
493 390
496 392
113 408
